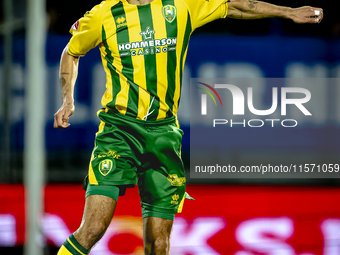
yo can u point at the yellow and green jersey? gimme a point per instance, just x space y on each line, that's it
143 49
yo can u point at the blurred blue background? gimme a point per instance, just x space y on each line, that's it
269 48
225 48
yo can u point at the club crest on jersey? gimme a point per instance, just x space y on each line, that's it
105 166
169 13
75 26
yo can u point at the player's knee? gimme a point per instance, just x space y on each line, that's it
156 246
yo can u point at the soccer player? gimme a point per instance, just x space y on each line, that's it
143 45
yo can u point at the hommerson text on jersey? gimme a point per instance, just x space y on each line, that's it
148 47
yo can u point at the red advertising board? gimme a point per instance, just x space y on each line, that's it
232 220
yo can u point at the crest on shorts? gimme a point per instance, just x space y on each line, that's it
169 13
105 166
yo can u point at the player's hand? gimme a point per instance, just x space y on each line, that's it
61 117
306 14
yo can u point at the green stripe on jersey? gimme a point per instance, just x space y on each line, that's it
122 38
146 24
114 75
188 31
171 30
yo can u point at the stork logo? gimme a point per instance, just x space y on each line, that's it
169 13
105 166
204 97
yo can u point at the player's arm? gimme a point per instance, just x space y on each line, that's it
68 75
251 9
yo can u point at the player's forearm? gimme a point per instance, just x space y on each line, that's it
68 75
237 14
251 9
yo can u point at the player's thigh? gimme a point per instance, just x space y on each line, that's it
159 197
113 161
161 180
98 212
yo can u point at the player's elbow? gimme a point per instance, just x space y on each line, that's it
66 52
239 5
236 8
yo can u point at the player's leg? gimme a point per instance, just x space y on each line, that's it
111 170
156 235
161 185
160 201
97 216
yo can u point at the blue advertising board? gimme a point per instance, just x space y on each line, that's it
209 56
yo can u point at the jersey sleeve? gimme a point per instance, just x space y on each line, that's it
86 33
205 11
